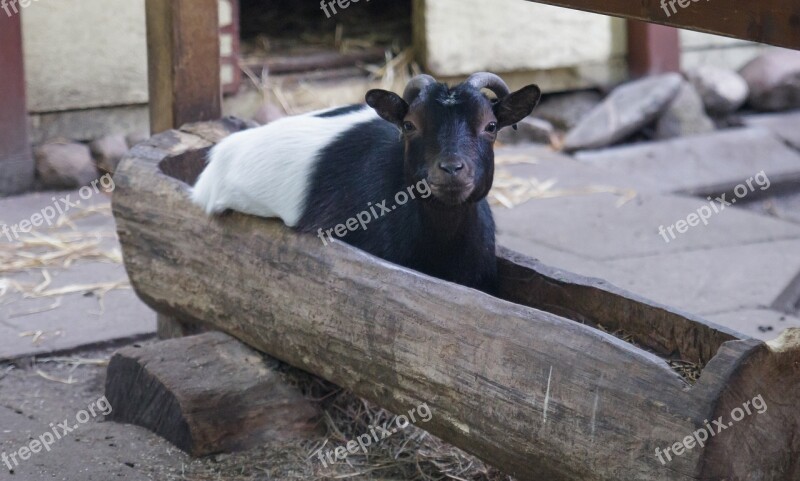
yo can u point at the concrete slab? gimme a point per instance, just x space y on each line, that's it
554 257
785 125
595 227
764 324
723 279
785 206
704 163
78 293
545 164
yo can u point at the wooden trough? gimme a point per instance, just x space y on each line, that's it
527 381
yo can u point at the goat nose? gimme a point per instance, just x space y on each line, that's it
451 167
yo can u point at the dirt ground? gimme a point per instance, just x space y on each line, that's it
37 394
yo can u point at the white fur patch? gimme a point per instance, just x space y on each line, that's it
266 171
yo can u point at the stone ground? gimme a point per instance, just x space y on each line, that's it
65 301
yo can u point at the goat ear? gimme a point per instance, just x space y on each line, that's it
390 106
516 106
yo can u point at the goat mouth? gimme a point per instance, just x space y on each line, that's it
452 193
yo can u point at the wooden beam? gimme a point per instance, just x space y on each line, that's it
16 157
539 396
774 22
184 62
652 49
207 394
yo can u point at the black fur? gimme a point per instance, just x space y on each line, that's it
451 233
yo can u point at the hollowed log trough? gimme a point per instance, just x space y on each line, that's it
527 381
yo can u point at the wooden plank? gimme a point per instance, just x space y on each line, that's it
16 157
652 49
537 395
207 394
774 22
183 61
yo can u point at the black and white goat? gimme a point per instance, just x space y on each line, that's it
317 170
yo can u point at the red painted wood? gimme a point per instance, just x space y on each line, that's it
652 49
16 158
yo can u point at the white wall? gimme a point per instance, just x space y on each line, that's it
84 53
464 36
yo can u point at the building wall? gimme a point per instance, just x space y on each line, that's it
83 54
90 54
565 48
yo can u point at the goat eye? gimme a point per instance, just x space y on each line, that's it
408 127
492 127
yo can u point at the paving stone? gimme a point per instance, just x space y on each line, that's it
529 129
723 91
565 110
544 164
76 319
552 257
785 125
764 324
774 80
685 116
594 227
722 279
785 206
704 163
629 108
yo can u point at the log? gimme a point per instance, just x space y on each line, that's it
526 381
207 394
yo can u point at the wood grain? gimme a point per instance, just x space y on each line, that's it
183 62
207 394
537 395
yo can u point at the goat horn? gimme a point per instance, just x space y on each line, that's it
415 86
486 80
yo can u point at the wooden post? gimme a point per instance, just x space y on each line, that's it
16 158
652 49
184 62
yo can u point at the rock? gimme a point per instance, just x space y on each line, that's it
685 116
136 138
774 80
564 111
108 151
529 129
628 109
64 165
723 91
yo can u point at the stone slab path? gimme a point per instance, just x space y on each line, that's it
63 287
730 271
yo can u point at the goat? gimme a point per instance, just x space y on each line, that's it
315 171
